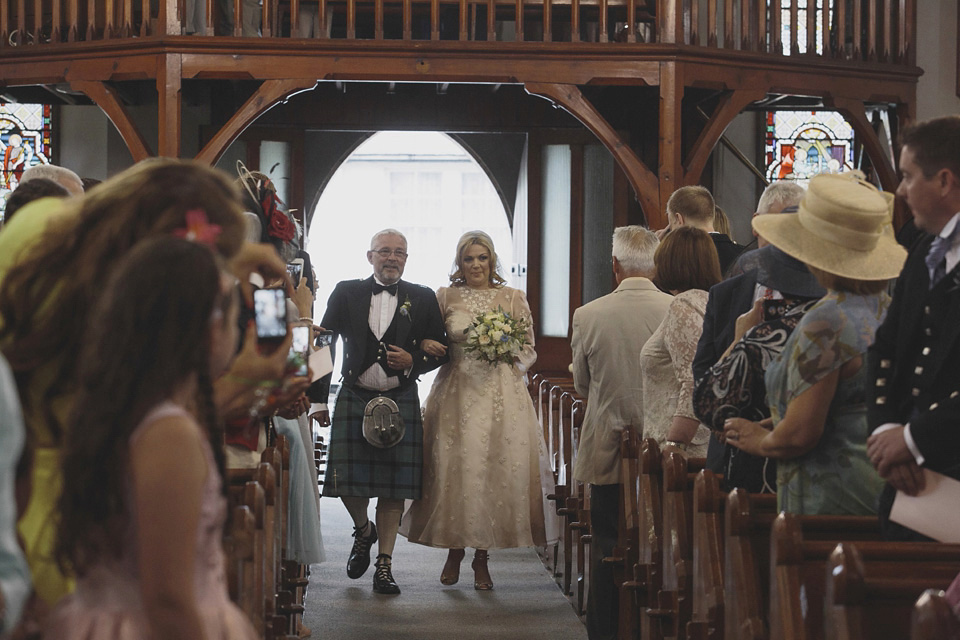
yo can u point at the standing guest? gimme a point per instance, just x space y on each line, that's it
817 386
693 206
61 175
141 520
914 403
608 335
769 274
721 223
28 192
53 264
383 322
14 574
485 459
687 266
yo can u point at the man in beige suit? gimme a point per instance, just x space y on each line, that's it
608 335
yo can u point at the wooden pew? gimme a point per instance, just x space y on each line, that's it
799 549
239 550
648 571
872 587
674 598
706 615
570 511
933 618
629 535
746 567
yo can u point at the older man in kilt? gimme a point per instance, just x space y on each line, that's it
383 322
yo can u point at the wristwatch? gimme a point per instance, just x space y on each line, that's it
679 445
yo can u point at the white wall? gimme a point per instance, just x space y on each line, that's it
937 56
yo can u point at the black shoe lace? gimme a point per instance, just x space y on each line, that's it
383 572
361 542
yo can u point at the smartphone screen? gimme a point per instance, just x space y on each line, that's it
299 351
270 313
295 269
324 339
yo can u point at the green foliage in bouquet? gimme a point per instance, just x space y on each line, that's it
496 336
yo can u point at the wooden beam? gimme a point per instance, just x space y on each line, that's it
106 97
856 114
568 96
169 115
670 171
270 93
730 106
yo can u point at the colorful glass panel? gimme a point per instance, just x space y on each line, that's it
25 141
801 144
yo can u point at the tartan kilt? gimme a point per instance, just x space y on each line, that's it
357 468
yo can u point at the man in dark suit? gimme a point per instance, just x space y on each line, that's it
914 383
383 322
693 206
772 274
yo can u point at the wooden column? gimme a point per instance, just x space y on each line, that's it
670 171
169 116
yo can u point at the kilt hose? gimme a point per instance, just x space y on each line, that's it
357 468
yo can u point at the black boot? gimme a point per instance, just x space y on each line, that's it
383 581
359 559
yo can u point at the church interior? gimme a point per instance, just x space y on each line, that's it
584 116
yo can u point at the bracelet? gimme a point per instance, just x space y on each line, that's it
310 320
679 445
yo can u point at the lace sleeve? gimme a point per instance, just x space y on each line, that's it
521 309
682 327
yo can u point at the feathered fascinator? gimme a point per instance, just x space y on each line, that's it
277 225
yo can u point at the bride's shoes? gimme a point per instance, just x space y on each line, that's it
481 574
451 569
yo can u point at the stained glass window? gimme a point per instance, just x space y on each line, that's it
801 144
25 140
785 13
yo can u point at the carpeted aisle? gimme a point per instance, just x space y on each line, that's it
526 603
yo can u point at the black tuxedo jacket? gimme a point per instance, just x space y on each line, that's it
726 302
347 315
900 340
727 250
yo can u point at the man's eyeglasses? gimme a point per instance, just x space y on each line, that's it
400 254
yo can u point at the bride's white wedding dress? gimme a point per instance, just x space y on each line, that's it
485 464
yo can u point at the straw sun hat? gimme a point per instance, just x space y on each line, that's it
843 227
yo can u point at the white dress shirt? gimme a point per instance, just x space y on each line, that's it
383 306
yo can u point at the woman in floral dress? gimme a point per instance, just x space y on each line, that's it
485 467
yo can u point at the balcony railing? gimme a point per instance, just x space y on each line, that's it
877 31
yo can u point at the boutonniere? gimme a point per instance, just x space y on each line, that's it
405 308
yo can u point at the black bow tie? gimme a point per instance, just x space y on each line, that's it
390 288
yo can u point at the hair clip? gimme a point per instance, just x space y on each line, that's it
199 229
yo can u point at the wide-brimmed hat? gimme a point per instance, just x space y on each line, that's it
843 227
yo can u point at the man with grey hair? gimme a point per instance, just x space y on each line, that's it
783 196
61 175
608 335
376 440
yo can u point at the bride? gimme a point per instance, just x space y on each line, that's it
485 466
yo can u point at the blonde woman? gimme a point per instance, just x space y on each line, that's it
484 459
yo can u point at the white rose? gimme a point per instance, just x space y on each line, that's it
483 339
495 335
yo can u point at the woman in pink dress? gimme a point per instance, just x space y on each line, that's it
143 507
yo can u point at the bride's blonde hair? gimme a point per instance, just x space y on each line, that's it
467 240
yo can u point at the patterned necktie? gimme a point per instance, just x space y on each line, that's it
937 256
390 288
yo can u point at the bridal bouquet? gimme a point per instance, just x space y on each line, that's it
496 336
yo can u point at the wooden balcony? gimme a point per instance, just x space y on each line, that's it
853 57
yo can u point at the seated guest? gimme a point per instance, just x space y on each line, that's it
686 266
30 191
694 207
816 388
